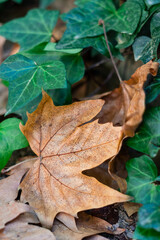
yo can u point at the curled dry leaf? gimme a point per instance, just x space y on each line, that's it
10 211
125 105
102 175
117 169
68 221
20 229
131 208
87 225
67 144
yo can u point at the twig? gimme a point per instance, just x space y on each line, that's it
97 64
101 22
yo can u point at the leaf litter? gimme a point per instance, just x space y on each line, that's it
67 142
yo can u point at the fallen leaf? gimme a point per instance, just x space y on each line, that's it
87 225
97 237
102 175
131 208
20 229
2 42
25 166
3 98
125 105
120 181
68 221
67 144
9 187
86 221
10 211
117 169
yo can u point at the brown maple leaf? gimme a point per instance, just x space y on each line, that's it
125 105
67 144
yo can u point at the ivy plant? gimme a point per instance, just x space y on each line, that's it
55 67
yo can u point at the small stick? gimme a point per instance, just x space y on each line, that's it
101 22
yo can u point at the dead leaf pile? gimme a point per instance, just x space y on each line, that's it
69 140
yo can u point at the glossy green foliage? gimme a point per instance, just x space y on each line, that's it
144 47
148 226
146 234
147 138
149 216
27 78
153 90
25 73
125 40
16 1
45 3
36 27
150 3
11 139
72 61
83 21
142 173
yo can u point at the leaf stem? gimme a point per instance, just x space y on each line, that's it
101 22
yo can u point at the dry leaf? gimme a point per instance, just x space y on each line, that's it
68 220
25 166
102 175
87 225
125 105
3 98
2 42
117 170
9 187
86 221
20 229
131 208
97 237
66 147
15 49
10 211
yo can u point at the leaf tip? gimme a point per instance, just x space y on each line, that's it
154 68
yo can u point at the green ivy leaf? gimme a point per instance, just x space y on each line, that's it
83 21
147 139
2 1
27 78
149 216
146 234
18 1
36 27
45 3
98 43
125 40
73 61
80 3
142 172
145 48
60 97
153 90
52 47
11 139
150 3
